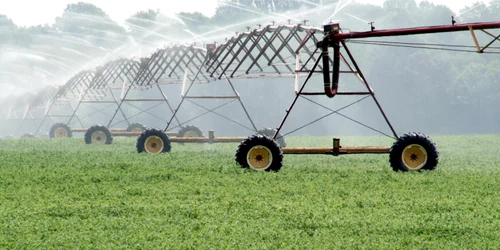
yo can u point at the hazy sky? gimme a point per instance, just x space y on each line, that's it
34 12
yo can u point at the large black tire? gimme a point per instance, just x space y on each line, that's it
136 127
413 152
98 134
260 153
190 131
269 132
60 130
153 141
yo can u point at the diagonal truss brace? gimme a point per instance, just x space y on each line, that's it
354 69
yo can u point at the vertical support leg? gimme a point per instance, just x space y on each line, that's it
297 69
74 112
369 89
76 115
26 111
297 97
45 114
184 96
33 119
241 103
82 96
168 103
119 106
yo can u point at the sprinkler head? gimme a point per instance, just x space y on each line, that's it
331 28
99 70
210 49
144 62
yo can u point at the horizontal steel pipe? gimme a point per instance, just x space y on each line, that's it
206 139
415 31
343 150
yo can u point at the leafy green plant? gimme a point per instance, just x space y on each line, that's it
66 194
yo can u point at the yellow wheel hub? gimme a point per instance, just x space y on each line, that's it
99 137
259 157
414 157
60 133
153 144
190 133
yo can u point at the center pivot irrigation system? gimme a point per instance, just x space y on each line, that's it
102 86
27 110
114 83
272 51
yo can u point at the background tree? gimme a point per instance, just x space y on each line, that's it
142 25
91 23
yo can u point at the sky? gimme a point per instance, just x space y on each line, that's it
35 12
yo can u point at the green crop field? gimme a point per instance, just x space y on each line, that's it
66 194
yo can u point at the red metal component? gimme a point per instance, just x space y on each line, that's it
415 30
333 38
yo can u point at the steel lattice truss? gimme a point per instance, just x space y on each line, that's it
273 51
23 109
79 83
21 103
122 70
24 100
43 96
270 51
172 64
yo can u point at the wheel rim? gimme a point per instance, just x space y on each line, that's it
60 132
414 156
153 144
99 137
190 133
259 158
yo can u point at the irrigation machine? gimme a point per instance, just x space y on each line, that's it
18 111
298 50
266 52
117 81
27 110
99 86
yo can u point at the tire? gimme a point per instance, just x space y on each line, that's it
153 141
269 132
136 127
190 131
260 153
60 130
98 134
413 152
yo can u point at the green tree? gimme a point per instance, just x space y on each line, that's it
142 24
235 11
400 5
87 21
474 13
8 30
196 21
